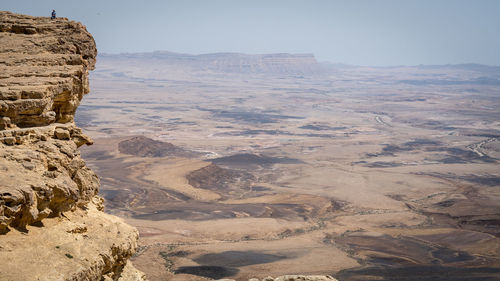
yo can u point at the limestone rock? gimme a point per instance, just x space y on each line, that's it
41 178
61 134
44 68
52 224
100 247
130 273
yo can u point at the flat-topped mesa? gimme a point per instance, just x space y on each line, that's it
44 68
281 64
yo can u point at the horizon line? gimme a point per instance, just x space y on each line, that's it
309 54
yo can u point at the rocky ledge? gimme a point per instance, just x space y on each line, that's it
52 226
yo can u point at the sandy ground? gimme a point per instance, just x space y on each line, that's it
353 174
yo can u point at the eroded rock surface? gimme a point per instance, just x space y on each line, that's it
85 244
44 68
42 174
51 222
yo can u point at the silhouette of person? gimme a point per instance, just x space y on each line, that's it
53 15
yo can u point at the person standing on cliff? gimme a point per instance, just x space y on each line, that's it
53 15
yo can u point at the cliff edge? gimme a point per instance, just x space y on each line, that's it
51 222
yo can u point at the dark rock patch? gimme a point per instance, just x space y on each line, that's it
419 273
214 272
246 159
237 258
146 147
219 179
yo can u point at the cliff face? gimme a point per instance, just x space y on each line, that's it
51 222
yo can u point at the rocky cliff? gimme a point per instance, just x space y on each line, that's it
51 222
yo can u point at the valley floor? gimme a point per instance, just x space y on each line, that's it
362 174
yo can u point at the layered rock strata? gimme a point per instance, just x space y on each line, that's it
44 68
51 222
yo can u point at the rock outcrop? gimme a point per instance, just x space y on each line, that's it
51 222
145 147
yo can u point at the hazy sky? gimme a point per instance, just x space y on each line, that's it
362 32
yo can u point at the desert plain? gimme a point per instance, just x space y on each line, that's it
239 166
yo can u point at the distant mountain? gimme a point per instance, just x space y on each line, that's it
161 65
283 63
466 66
